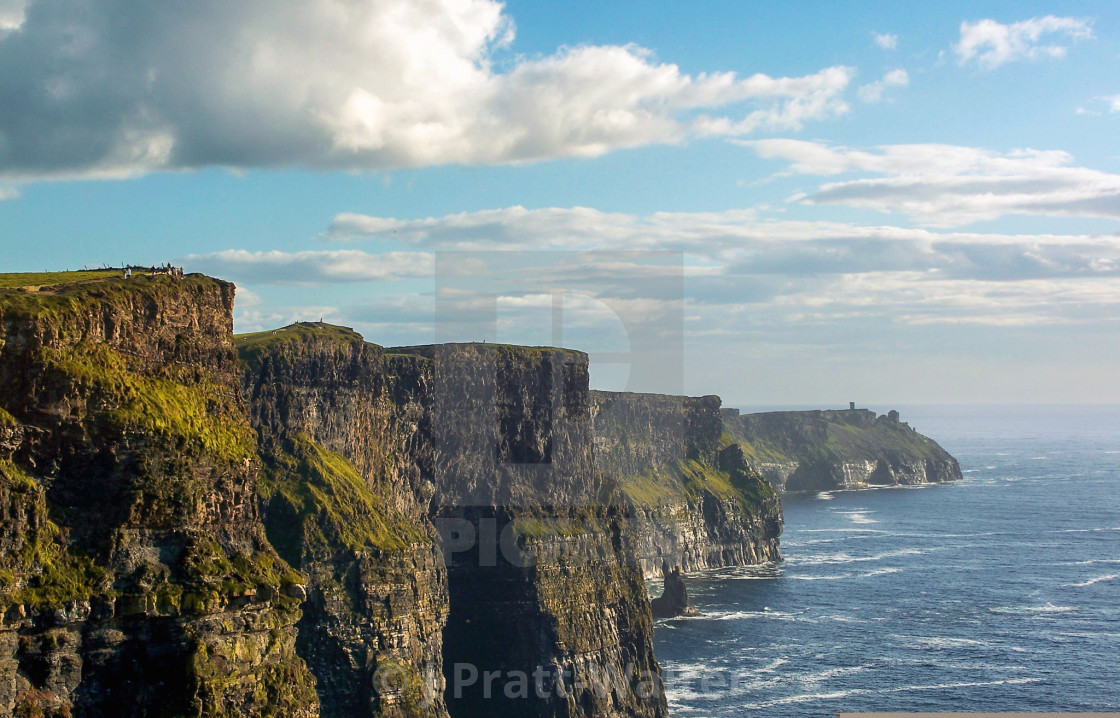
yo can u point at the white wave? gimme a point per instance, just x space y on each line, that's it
821 578
879 572
1098 579
824 496
828 674
938 642
772 665
844 558
1027 610
744 615
810 697
841 531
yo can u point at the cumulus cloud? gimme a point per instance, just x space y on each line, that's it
948 185
873 92
886 41
990 44
310 267
111 89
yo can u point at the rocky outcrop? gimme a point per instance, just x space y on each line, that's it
696 503
673 601
838 449
134 571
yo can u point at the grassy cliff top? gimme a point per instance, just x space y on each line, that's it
42 279
840 434
251 347
33 294
429 350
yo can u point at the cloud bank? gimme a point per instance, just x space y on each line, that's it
990 44
104 88
948 185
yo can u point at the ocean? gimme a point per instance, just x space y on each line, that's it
997 593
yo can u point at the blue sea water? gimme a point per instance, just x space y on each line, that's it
997 593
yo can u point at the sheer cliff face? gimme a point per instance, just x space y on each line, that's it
347 459
544 589
825 450
135 573
485 449
695 502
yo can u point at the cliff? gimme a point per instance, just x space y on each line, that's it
345 454
302 524
838 449
542 576
696 503
135 579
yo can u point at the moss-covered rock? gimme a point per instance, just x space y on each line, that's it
132 522
696 503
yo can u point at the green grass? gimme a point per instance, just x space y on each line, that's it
250 347
198 415
6 419
689 480
319 504
43 279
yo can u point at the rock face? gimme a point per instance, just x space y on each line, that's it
343 433
845 449
543 580
135 579
695 501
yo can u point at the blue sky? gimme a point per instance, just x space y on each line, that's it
817 201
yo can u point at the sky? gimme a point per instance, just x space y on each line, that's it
802 203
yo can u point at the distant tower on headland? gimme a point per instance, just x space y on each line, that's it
851 406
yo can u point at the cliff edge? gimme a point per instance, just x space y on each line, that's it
838 449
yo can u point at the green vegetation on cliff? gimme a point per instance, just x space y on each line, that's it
39 279
318 503
835 436
39 570
251 347
689 479
188 412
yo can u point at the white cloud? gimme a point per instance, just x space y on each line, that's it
886 41
358 84
310 267
1113 103
743 242
947 185
256 320
12 14
873 92
991 44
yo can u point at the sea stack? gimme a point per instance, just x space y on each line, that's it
674 597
